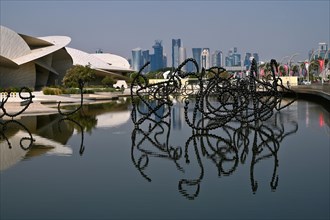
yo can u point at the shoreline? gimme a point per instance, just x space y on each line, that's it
47 104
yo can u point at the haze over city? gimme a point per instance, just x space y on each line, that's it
273 29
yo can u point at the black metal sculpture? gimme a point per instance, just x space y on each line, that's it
27 101
25 142
221 111
81 88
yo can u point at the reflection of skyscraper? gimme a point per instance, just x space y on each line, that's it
176 44
197 54
178 116
206 58
136 59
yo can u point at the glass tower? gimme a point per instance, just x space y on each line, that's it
197 55
205 58
136 59
217 58
182 57
157 59
145 59
176 44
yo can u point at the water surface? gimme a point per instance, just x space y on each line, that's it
113 170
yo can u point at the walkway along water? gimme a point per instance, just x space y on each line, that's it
46 104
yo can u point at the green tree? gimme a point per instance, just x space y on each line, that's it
78 73
140 79
314 67
295 70
108 81
282 70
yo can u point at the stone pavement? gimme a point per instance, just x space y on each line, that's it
47 104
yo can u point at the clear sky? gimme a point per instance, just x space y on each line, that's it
273 29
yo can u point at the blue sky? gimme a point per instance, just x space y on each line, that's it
274 29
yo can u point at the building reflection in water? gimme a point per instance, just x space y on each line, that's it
33 136
30 136
227 147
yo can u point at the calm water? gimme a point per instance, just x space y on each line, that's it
113 171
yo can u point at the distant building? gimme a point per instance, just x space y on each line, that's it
197 55
217 58
164 61
176 44
145 59
247 61
182 57
256 57
157 59
205 58
136 59
321 52
233 58
323 48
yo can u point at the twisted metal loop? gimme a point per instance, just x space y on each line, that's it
27 101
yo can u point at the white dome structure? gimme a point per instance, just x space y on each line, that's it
35 62
116 62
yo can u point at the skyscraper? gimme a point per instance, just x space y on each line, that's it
233 58
256 57
176 44
217 58
164 61
182 57
136 59
157 59
247 61
145 59
197 55
205 58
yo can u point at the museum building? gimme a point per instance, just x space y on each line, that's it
36 62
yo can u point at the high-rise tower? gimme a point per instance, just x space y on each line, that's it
176 44
197 55
205 58
157 59
182 57
136 59
217 58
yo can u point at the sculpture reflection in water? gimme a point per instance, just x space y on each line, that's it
71 113
152 122
10 128
228 118
16 138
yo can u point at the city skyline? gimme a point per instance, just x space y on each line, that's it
273 29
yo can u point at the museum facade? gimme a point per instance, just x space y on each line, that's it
36 62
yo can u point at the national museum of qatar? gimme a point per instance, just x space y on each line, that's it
35 62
